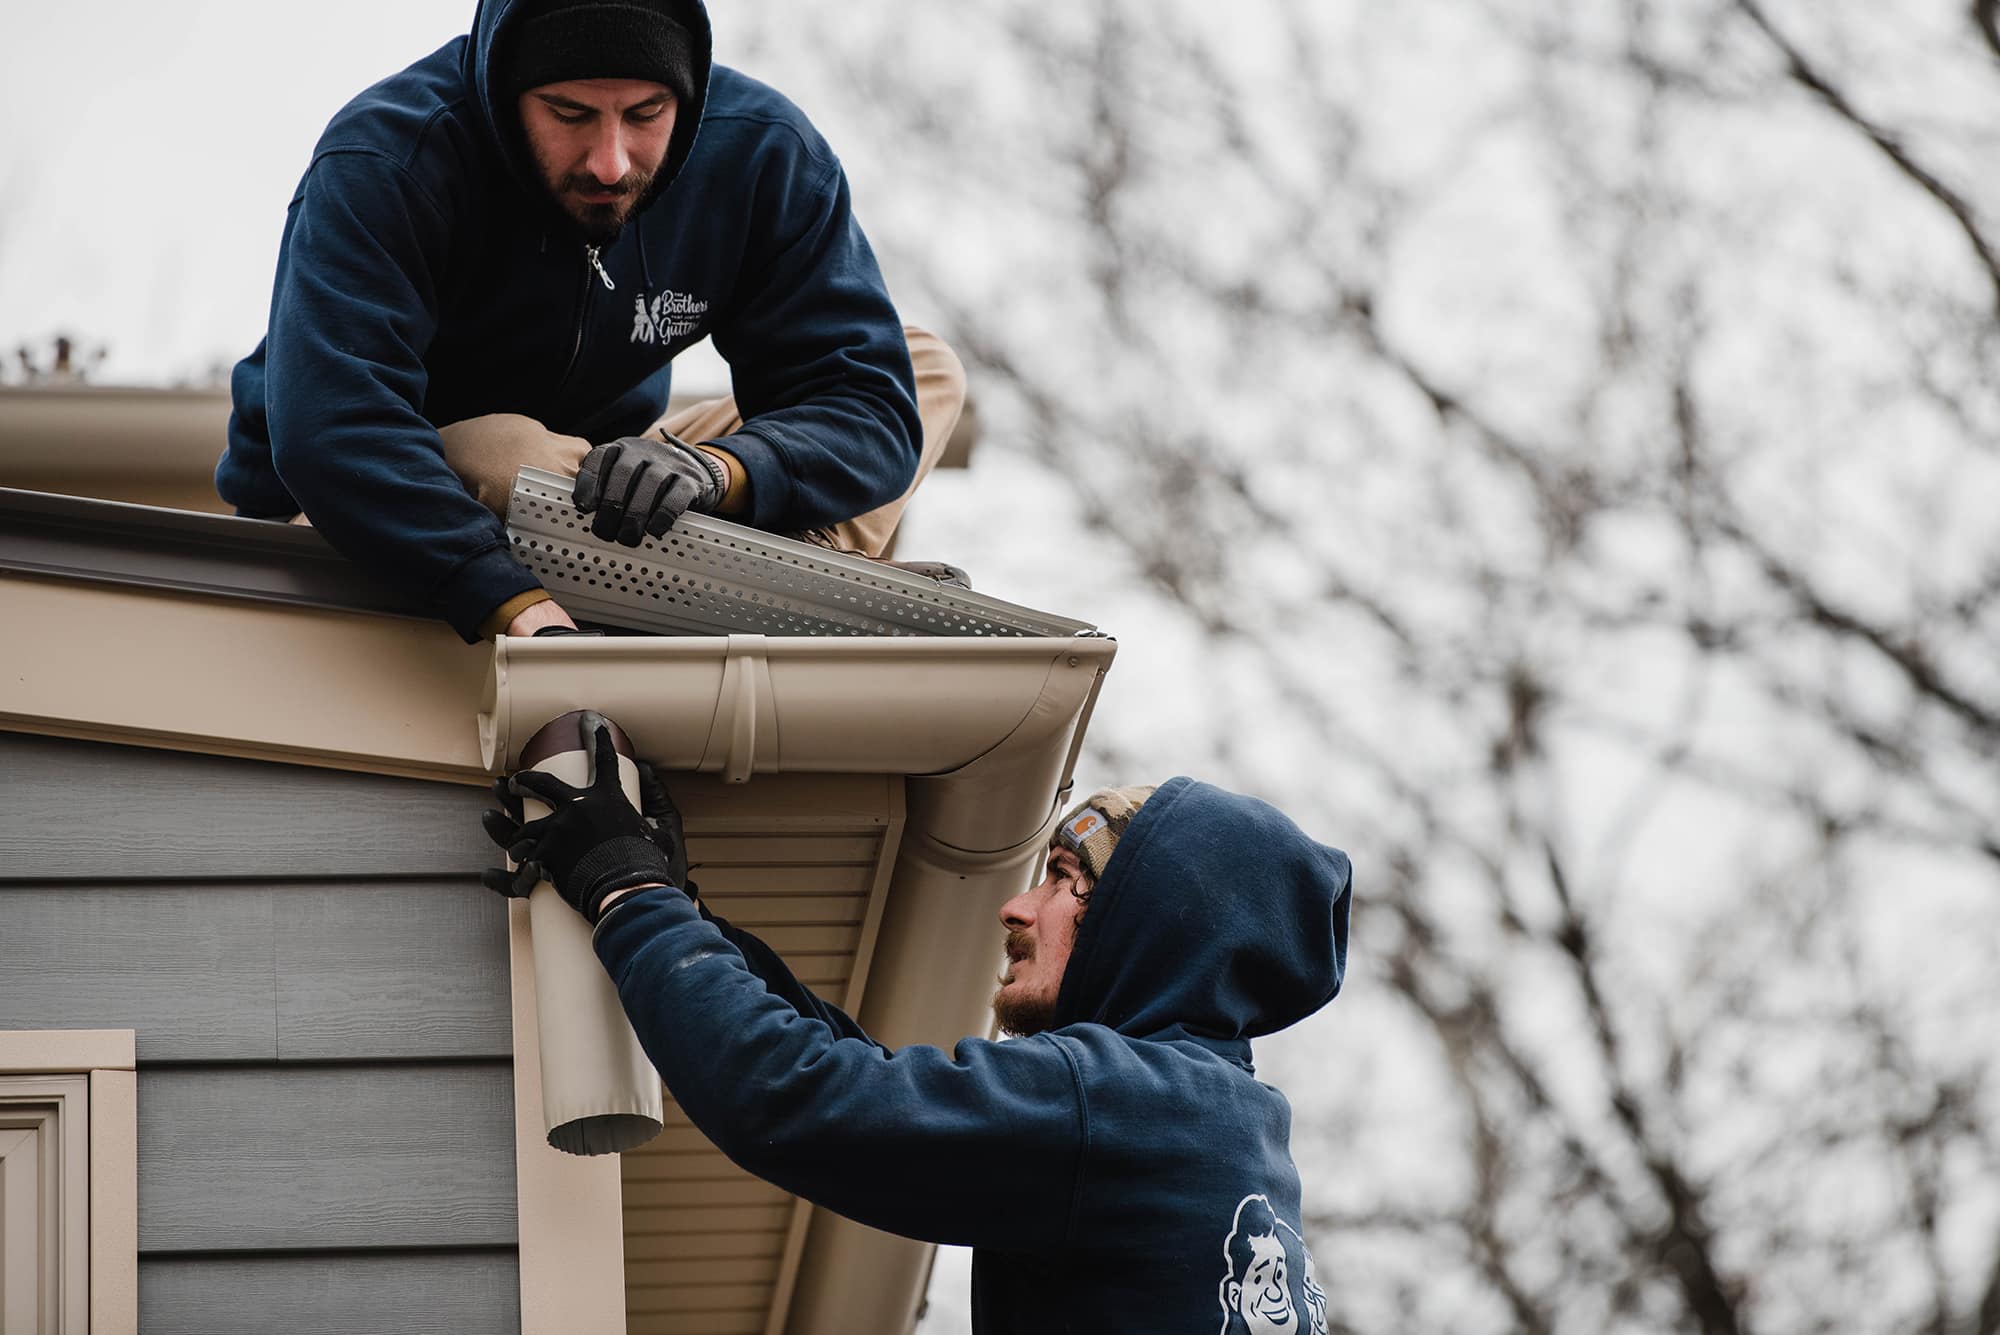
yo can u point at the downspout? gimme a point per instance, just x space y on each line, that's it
963 855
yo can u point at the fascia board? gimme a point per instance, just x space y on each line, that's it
223 676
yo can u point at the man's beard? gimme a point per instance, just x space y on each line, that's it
600 223
1018 1015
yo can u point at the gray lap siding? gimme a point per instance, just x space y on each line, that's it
320 993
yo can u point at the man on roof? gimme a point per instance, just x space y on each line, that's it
1118 1166
493 259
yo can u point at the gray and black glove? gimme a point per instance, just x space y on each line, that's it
591 843
636 486
663 827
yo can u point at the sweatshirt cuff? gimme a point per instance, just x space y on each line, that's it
770 478
480 585
736 497
634 919
503 616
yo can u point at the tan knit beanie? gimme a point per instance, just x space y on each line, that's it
1091 830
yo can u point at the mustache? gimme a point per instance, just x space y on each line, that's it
1020 946
628 185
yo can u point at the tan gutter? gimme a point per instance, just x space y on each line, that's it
743 704
117 443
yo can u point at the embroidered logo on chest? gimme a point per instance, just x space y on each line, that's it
668 316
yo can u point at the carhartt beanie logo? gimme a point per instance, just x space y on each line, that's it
1092 829
591 39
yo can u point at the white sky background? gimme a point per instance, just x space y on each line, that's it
151 149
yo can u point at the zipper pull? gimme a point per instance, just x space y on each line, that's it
590 253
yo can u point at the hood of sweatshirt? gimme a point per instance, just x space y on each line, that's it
1217 919
493 26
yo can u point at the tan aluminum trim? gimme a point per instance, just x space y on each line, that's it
857 988
44 1051
878 896
45 1140
307 686
101 1223
114 1202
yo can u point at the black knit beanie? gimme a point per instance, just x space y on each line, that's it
558 40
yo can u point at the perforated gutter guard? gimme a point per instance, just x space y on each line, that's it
710 577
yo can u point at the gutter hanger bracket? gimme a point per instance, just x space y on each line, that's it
744 728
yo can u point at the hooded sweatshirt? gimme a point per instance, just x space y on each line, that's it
426 276
1123 1171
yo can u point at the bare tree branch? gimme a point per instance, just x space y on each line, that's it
1686 1246
1986 17
1807 75
1907 656
1987 1320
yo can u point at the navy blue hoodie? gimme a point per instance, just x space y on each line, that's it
427 276
1124 1171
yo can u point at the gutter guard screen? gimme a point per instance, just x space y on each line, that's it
706 576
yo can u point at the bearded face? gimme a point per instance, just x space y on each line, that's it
599 145
1041 928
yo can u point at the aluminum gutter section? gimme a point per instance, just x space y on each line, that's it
155 446
126 443
987 731
735 705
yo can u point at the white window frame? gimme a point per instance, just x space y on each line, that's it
79 1088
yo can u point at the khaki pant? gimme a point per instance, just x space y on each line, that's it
487 451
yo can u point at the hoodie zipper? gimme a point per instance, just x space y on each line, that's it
591 263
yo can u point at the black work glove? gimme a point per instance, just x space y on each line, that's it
663 827
591 843
637 486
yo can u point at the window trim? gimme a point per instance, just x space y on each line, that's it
108 1104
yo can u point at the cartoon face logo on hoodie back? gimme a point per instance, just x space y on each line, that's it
1271 1286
